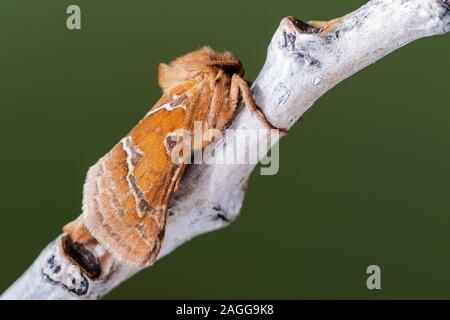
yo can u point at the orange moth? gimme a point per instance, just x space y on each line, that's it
127 191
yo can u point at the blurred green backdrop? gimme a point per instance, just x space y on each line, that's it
365 179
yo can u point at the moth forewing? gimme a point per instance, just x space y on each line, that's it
127 192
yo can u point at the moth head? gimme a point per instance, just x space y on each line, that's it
193 64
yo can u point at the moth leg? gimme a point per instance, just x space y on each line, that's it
251 104
177 185
215 108
234 93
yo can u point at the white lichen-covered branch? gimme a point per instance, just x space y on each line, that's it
303 62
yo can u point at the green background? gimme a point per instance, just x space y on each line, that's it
365 179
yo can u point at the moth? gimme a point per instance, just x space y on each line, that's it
126 193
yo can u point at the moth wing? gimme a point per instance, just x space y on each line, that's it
127 192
